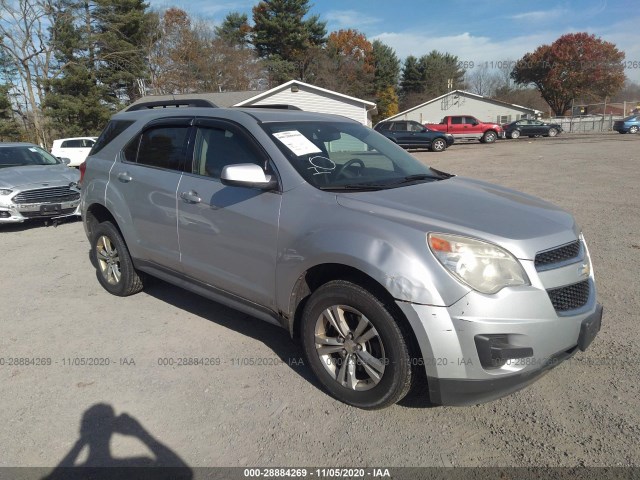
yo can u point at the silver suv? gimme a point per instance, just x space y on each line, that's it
389 272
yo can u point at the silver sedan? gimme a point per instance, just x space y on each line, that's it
35 184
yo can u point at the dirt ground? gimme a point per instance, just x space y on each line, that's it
105 361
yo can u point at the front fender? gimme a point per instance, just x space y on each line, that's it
393 254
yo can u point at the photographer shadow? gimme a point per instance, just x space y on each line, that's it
97 427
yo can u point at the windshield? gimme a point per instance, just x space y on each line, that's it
342 155
24 155
631 118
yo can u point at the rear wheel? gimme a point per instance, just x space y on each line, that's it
355 346
438 145
114 266
489 137
515 134
633 129
553 132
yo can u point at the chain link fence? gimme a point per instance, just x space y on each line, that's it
586 123
596 117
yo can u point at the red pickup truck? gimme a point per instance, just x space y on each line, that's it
466 127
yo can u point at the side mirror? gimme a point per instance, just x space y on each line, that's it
474 122
64 160
247 175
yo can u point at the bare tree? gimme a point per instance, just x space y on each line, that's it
482 80
187 56
25 39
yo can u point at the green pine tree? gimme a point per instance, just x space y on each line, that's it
287 40
123 28
412 76
9 129
74 101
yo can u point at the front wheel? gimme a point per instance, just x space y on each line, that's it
553 132
515 134
633 129
114 266
355 346
489 137
438 145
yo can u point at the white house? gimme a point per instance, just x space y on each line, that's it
294 92
459 102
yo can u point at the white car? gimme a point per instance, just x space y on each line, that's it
75 149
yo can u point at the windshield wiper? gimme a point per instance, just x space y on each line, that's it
416 177
356 186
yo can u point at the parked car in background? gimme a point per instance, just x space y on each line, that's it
531 128
35 184
630 124
75 149
386 270
466 127
411 134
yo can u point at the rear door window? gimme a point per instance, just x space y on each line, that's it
163 147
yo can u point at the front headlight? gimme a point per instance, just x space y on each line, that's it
4 191
483 266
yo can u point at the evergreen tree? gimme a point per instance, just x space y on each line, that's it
386 78
412 76
9 128
387 66
123 28
235 30
439 70
285 39
74 101
429 77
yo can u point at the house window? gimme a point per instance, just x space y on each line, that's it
502 119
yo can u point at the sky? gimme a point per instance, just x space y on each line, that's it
481 31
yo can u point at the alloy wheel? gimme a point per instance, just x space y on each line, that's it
108 260
349 347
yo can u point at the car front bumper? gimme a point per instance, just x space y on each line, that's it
480 348
18 213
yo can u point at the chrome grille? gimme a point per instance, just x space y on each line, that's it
570 297
47 195
558 255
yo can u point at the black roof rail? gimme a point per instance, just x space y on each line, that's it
186 102
281 106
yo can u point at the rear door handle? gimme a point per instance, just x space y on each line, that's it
190 197
124 177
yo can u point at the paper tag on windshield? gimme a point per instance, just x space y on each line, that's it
297 143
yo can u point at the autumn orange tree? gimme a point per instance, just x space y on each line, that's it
576 65
347 66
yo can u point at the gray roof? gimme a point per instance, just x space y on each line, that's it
221 99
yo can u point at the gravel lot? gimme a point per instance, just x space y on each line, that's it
584 412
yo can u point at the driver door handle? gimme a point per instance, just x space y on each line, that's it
190 197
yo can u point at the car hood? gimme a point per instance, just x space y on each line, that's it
16 177
521 223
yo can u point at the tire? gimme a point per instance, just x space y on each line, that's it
438 145
371 374
553 132
114 267
633 129
515 134
489 137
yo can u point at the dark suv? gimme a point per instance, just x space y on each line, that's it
411 134
388 271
